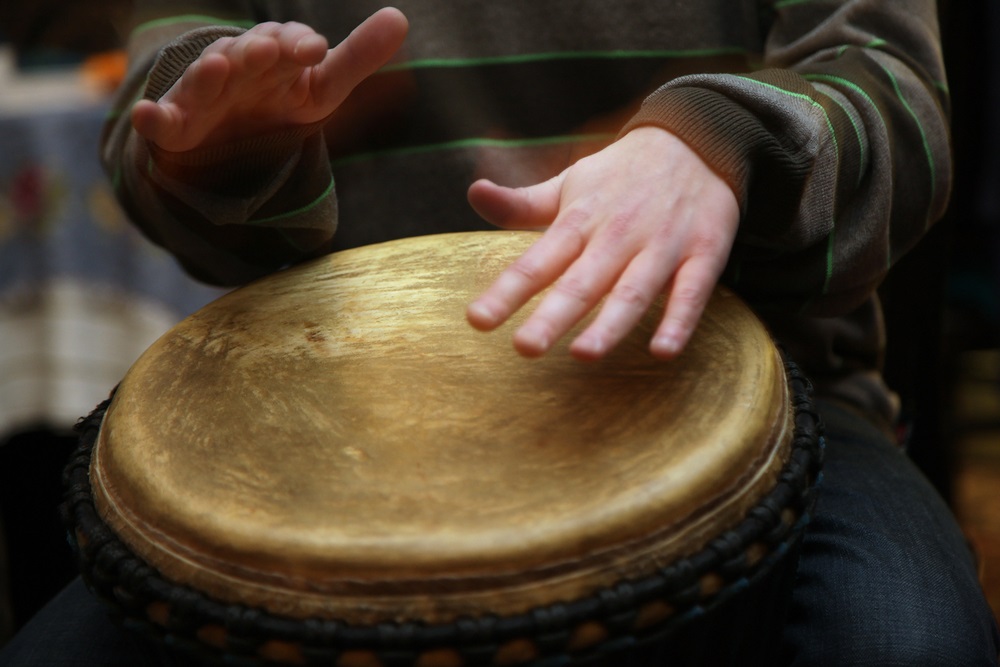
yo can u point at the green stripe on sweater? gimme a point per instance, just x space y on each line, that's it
520 58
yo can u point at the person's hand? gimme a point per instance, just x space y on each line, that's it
643 217
273 76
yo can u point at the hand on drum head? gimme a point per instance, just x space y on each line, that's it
643 217
273 76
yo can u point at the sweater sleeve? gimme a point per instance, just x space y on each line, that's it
231 213
837 148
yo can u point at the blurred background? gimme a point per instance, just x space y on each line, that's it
82 294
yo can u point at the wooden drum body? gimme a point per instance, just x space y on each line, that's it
328 466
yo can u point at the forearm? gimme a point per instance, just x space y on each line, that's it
217 222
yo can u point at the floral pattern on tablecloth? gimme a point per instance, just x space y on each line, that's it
82 292
59 219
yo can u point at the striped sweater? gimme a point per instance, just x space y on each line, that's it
827 117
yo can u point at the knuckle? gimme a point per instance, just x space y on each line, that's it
631 295
526 269
620 225
575 289
706 242
688 296
703 244
577 217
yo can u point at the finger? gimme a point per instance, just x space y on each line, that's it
310 49
303 45
202 82
165 125
245 56
149 120
529 274
297 42
165 122
363 52
640 284
255 54
517 208
571 298
689 294
574 295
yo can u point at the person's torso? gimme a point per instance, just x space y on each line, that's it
511 91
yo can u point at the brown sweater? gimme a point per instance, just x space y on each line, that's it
829 119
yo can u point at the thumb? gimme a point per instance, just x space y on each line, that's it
517 208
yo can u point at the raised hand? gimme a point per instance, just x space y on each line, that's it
643 217
273 76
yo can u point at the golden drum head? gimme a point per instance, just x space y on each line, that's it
335 441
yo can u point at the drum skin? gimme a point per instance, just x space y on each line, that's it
335 441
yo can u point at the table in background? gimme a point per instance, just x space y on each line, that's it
82 294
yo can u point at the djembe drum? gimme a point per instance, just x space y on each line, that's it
328 466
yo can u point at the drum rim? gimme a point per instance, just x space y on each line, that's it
629 610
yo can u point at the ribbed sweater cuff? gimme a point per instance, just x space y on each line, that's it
721 131
246 155
174 59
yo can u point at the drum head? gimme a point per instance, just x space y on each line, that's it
335 441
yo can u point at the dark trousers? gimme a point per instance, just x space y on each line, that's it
886 578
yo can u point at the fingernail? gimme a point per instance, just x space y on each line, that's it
478 313
531 343
591 347
665 345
